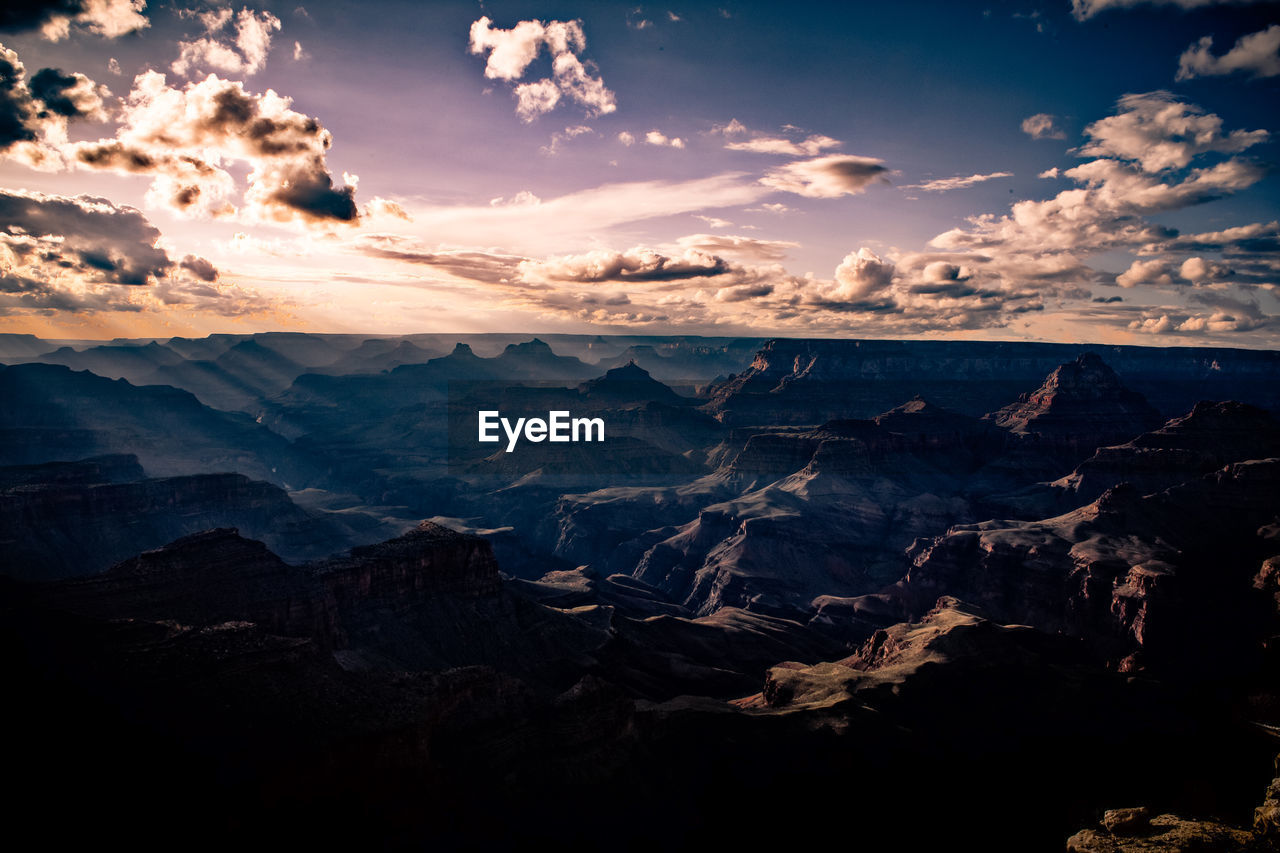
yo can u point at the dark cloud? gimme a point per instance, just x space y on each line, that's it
637 265
102 242
310 192
22 15
200 268
54 18
1256 238
185 183
1107 300
50 85
84 255
744 292
71 96
37 110
16 108
828 177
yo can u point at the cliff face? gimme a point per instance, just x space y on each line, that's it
794 381
1209 437
1166 580
837 506
71 520
218 576
428 600
1081 406
404 572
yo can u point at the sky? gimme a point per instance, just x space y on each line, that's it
1063 170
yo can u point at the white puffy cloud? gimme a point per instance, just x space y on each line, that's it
1158 132
1043 126
1159 272
511 52
776 208
1106 211
182 136
245 52
657 137
861 274
1237 317
1202 271
827 177
1257 54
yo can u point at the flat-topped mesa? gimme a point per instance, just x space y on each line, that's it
1082 404
427 561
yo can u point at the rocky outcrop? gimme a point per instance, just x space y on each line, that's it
954 636
208 578
1135 830
629 384
427 600
1165 580
1205 439
930 428
403 572
821 512
1166 833
1081 406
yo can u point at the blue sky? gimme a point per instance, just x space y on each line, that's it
768 168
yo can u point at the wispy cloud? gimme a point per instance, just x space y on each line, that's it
1257 54
941 185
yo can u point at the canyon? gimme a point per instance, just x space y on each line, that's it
868 578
